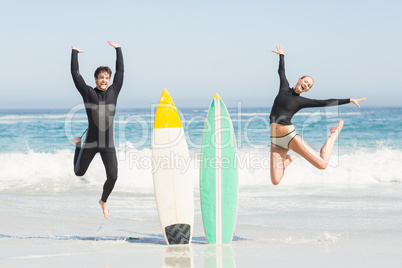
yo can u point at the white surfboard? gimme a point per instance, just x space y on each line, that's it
173 182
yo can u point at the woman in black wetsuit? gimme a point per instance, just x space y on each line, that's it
100 105
283 133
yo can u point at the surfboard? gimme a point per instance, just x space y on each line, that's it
218 175
173 183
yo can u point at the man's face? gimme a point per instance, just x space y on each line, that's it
102 81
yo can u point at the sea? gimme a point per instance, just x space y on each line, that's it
349 214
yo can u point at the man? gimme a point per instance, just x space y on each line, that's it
100 105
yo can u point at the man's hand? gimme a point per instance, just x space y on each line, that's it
113 44
78 49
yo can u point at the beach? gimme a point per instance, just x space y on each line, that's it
348 215
297 227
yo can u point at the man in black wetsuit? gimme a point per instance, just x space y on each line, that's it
100 106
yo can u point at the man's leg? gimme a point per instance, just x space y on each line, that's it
109 159
82 158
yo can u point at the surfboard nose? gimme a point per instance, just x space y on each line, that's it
165 99
217 96
166 115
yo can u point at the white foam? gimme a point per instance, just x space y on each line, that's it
356 167
53 172
324 237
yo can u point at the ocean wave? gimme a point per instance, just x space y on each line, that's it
148 118
252 114
38 116
317 113
53 172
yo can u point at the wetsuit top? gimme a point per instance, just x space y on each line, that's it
288 102
100 105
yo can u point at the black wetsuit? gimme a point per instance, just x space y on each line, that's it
100 107
288 102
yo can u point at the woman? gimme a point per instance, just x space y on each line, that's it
283 133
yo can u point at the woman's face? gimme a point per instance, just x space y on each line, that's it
303 84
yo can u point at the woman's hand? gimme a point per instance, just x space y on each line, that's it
279 50
78 49
113 44
356 101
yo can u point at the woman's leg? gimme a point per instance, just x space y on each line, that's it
321 160
279 161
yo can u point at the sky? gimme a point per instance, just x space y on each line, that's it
195 49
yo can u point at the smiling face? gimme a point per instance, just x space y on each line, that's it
303 84
102 80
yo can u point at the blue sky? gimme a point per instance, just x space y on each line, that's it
198 48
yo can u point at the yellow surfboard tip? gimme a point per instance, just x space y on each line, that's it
165 98
216 96
166 114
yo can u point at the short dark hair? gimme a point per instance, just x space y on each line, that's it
101 69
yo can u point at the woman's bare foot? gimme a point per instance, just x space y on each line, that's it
76 140
337 129
288 160
104 208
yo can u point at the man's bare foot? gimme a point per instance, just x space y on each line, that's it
104 208
337 129
288 160
76 140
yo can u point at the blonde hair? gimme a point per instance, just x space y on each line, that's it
304 76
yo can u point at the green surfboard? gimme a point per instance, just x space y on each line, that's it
219 184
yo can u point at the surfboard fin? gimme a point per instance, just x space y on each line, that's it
178 233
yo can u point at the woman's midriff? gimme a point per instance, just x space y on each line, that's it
278 130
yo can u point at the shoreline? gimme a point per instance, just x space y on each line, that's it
288 226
